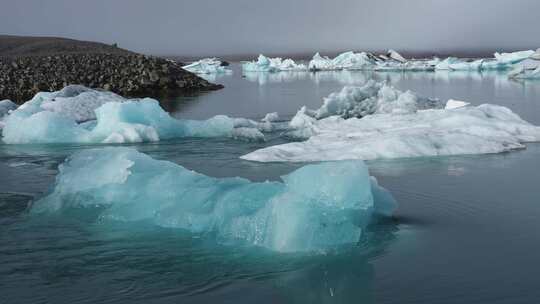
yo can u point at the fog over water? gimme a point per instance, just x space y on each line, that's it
242 27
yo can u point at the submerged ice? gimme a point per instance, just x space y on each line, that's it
315 207
80 115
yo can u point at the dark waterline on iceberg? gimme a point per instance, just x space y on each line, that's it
466 229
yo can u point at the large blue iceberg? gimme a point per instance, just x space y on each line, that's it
314 208
81 115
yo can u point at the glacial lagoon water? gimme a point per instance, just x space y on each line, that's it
466 229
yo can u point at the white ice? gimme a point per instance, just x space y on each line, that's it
314 208
348 60
454 104
207 66
465 130
372 98
266 64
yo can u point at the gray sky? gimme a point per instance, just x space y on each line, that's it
236 27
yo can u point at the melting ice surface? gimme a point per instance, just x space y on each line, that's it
80 115
377 121
315 207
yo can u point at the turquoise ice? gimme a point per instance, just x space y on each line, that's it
313 208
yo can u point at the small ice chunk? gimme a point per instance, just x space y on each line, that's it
316 207
396 56
271 117
207 66
454 104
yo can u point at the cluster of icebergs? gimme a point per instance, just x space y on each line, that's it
318 206
392 61
313 208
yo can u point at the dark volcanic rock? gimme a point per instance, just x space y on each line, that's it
59 64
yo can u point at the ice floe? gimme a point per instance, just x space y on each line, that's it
266 64
525 73
207 66
80 115
464 130
314 208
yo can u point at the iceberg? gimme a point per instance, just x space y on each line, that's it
475 65
512 58
396 56
372 98
525 73
445 64
347 60
433 132
207 66
80 115
314 208
265 64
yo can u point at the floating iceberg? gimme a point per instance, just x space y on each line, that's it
524 73
372 98
347 60
80 115
445 64
475 65
207 66
314 208
265 64
512 58
396 56
465 130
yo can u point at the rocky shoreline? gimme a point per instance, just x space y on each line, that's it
32 64
131 75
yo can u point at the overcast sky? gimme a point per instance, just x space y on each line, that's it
228 27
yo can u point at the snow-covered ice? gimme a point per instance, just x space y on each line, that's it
80 115
314 208
465 130
207 66
454 104
266 64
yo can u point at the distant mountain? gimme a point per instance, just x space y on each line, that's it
20 46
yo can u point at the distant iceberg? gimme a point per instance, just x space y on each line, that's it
266 64
80 115
207 66
524 73
316 207
347 60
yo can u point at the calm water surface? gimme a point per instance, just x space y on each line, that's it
466 231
